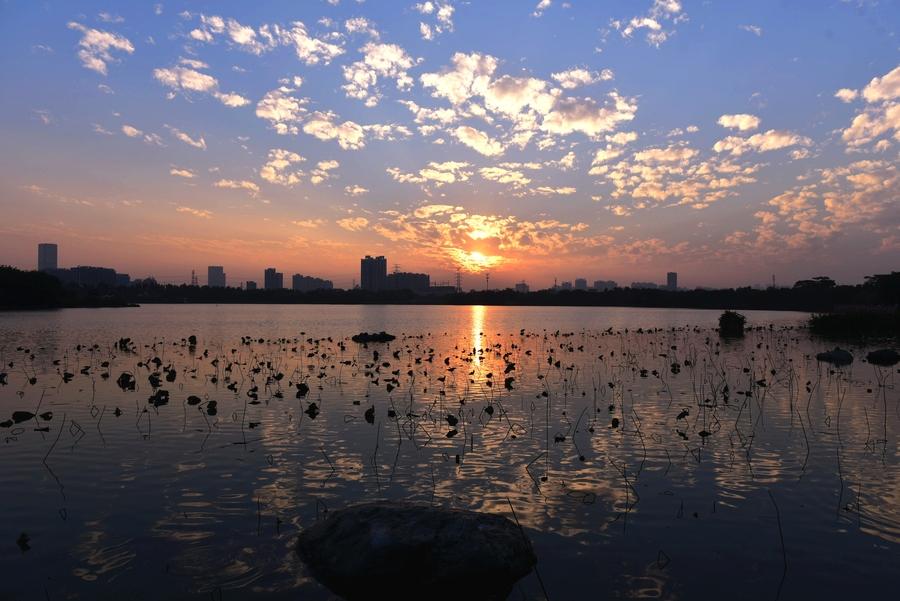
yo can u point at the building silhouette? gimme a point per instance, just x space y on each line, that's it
272 279
305 283
644 285
580 284
402 280
522 287
605 285
47 257
215 276
672 280
249 285
373 273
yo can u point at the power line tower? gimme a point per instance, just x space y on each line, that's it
194 280
458 280
487 280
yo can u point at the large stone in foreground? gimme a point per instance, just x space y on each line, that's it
407 551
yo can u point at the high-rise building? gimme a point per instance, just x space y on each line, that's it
565 286
273 280
605 285
580 284
249 285
47 257
522 287
672 280
373 273
215 276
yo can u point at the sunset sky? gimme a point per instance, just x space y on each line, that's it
727 141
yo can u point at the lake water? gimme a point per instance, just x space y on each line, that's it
644 457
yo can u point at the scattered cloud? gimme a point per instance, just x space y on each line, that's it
96 47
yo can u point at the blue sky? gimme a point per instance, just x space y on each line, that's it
608 140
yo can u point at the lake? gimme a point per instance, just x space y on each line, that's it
644 456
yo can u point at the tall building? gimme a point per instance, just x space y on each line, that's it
249 285
373 273
215 276
580 284
522 287
47 257
305 283
273 280
672 280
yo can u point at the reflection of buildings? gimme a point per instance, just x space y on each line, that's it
305 283
47 257
215 276
272 279
373 273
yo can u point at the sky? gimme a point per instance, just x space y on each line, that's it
541 140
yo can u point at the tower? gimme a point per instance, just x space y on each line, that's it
47 256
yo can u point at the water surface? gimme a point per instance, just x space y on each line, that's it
644 457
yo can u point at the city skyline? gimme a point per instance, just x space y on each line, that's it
578 146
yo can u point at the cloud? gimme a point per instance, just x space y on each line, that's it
761 142
133 132
278 169
308 223
355 190
187 173
323 171
353 224
846 95
202 213
435 173
323 125
883 88
379 60
586 116
309 50
754 29
186 78
238 185
661 12
502 175
573 78
468 77
741 122
180 135
282 110
441 14
478 140
96 47
541 7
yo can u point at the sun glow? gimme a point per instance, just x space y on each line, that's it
474 261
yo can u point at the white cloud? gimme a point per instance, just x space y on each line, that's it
185 78
180 135
846 95
380 60
355 190
761 142
323 171
883 88
96 47
585 115
573 78
541 7
741 122
282 110
436 173
754 29
478 140
279 168
660 13
323 125
310 50
187 173
238 185
469 76
441 14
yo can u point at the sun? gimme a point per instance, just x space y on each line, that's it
474 261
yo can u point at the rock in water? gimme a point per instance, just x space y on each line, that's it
406 551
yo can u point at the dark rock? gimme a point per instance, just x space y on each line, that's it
884 357
731 324
364 337
406 551
836 356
